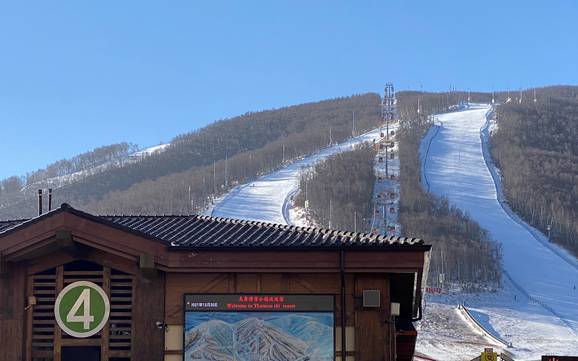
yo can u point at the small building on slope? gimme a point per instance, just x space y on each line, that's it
75 286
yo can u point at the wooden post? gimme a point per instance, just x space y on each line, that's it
148 308
29 314
105 333
57 352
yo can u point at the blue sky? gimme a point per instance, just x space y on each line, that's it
75 75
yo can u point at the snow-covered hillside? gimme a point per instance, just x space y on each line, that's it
269 197
56 182
537 309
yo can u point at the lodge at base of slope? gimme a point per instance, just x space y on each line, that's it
180 287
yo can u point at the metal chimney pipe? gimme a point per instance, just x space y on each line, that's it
40 202
49 199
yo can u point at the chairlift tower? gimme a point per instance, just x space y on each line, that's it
388 106
388 114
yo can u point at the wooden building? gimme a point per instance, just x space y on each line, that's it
147 265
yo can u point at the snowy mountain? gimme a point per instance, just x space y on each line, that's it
197 166
212 340
63 180
537 309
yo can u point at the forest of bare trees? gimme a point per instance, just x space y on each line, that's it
78 163
339 190
198 166
536 149
12 188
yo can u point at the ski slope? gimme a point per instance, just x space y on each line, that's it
268 198
537 310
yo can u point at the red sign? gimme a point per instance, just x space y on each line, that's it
559 358
258 302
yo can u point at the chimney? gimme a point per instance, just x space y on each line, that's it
40 202
49 199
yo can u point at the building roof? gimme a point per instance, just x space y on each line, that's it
196 231
6 225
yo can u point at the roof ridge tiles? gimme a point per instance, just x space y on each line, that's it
194 230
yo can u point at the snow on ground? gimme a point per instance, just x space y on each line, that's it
537 309
298 217
445 335
151 150
269 198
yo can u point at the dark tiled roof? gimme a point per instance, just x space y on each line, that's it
195 231
6 225
204 231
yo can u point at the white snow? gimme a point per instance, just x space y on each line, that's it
269 197
298 217
151 150
445 335
537 309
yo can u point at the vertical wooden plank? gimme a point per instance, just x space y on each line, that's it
57 352
105 335
135 320
231 282
29 314
372 333
13 320
285 283
350 299
148 309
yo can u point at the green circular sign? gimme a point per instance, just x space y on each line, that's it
82 309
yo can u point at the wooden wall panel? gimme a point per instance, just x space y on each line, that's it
248 283
12 317
178 284
148 308
392 260
315 283
372 336
247 261
350 299
272 282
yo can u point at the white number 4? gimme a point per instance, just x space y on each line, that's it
86 318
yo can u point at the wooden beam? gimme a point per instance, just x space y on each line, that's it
57 355
3 265
146 261
105 333
63 236
29 314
